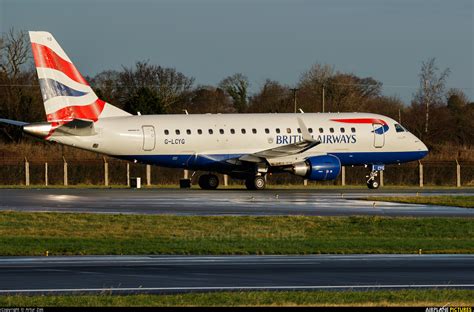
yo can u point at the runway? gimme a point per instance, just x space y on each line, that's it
310 202
161 274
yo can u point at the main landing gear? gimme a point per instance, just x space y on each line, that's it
208 181
255 183
372 183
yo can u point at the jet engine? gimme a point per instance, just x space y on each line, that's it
318 168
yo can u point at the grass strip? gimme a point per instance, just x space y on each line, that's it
26 233
418 297
457 201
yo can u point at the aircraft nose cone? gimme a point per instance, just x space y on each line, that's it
422 148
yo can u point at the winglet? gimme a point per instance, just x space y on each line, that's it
304 131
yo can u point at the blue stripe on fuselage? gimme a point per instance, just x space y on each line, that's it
218 162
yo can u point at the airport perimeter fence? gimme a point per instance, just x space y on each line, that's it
109 172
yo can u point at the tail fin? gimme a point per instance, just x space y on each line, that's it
66 94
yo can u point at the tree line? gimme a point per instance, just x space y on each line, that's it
439 116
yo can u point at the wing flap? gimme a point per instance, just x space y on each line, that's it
272 154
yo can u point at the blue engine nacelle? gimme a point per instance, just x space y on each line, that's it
319 168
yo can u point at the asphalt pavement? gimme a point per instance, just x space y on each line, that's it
310 202
167 274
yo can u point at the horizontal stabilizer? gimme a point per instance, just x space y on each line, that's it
13 122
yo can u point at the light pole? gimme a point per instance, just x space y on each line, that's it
294 96
323 97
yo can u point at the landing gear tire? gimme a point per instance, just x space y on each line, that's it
256 183
208 181
371 180
372 184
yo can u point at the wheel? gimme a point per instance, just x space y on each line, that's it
212 181
256 183
372 184
259 183
208 181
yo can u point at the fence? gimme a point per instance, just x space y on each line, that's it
14 171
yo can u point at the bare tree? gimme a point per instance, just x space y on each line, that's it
236 87
106 84
456 99
13 53
169 85
18 99
317 75
432 87
209 99
313 83
273 97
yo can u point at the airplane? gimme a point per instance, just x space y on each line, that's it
313 146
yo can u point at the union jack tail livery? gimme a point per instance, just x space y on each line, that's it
66 94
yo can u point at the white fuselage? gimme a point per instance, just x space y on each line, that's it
194 141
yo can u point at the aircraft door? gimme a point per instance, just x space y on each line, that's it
379 135
148 138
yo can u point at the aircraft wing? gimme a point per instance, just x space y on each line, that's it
281 155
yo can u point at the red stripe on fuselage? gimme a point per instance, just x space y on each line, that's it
91 112
45 57
361 120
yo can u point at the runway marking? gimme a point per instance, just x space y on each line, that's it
32 262
233 288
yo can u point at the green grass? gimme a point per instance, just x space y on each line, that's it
458 201
418 297
24 233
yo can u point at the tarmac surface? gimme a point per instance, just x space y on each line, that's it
311 202
166 274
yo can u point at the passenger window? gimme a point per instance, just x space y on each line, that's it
167 132
177 131
299 130
243 131
199 131
210 131
353 130
288 130
321 130
232 131
254 131
188 131
310 130
267 130
331 130
221 131
343 130
277 130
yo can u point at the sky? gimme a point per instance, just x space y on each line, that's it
263 39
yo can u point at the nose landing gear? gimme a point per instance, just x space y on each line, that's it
372 183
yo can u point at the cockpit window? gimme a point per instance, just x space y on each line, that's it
399 128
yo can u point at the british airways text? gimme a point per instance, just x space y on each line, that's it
325 139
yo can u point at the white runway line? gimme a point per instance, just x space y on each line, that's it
231 288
